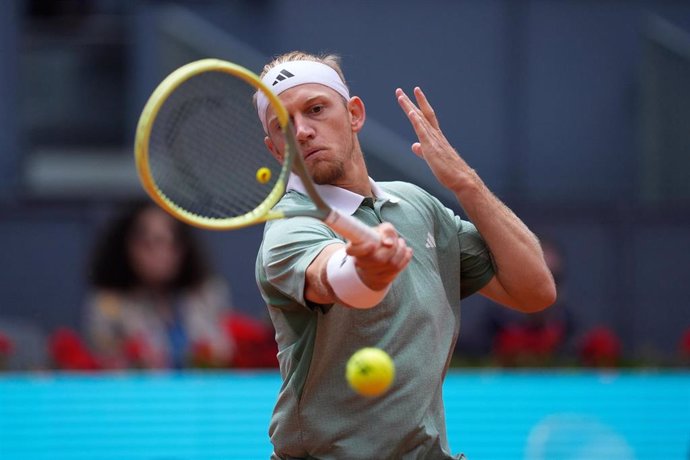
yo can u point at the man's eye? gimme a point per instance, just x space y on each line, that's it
317 109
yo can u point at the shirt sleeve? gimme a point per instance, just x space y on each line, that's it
476 262
289 247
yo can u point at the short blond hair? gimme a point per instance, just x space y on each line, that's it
331 60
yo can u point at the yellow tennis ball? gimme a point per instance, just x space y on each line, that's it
370 371
263 175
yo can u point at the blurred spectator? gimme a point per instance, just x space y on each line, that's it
155 302
514 339
600 347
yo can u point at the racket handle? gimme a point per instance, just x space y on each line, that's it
351 228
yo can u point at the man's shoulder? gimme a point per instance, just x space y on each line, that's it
408 191
293 199
402 188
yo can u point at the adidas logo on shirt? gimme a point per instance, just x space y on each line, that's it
282 75
430 241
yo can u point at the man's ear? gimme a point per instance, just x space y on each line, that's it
357 113
272 148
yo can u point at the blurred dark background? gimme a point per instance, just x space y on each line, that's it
576 113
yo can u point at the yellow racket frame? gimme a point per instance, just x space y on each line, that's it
148 116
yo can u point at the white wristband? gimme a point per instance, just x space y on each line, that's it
346 284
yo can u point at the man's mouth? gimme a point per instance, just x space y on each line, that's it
311 151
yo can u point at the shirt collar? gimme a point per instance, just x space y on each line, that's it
339 198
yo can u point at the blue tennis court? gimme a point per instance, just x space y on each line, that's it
491 415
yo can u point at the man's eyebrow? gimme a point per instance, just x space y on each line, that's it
309 100
317 94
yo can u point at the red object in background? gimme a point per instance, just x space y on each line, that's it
69 352
202 355
524 345
600 347
685 344
548 339
255 344
511 342
6 345
134 350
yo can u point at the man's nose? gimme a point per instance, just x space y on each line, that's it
303 129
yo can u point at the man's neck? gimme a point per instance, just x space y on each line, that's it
358 187
357 179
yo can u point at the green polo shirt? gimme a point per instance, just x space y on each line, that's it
317 415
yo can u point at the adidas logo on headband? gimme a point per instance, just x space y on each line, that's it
284 74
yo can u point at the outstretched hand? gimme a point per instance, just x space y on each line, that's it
448 167
523 280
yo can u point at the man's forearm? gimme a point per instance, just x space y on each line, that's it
520 266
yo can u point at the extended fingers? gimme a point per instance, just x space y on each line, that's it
420 125
425 107
407 105
404 101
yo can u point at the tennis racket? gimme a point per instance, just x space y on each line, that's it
200 153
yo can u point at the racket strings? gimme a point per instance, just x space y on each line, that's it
206 147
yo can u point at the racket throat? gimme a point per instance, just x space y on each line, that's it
332 220
350 228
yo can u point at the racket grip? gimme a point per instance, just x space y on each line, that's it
351 228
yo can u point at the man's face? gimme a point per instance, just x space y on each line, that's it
323 129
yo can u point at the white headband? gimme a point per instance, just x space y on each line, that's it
292 73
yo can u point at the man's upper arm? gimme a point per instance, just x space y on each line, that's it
289 248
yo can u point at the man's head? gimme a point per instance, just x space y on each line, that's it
326 119
297 67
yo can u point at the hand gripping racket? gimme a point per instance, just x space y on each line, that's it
200 153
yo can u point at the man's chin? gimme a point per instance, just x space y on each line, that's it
326 176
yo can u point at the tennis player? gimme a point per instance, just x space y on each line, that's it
328 298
